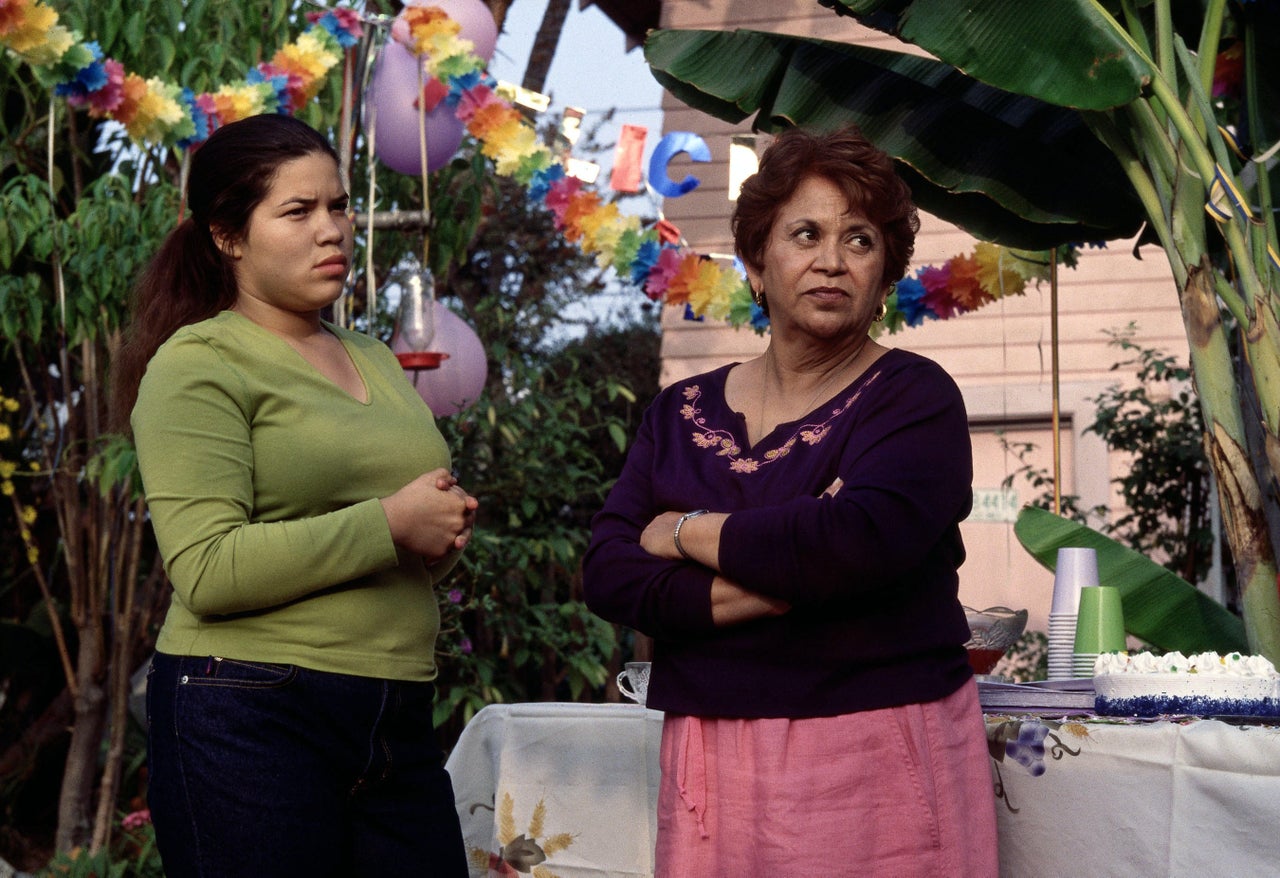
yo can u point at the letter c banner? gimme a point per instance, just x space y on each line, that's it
668 148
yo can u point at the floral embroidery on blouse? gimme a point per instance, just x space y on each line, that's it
726 444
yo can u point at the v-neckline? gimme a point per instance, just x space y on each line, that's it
329 328
740 418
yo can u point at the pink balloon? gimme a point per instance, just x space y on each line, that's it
458 381
475 18
393 94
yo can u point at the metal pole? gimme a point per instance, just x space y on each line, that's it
1053 342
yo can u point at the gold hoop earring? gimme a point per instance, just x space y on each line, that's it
757 296
881 312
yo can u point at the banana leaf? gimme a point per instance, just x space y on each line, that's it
1159 606
1071 53
1005 167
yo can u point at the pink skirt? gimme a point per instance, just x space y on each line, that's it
904 791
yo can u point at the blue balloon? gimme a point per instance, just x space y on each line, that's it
668 148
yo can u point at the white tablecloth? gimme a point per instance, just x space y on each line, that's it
1186 800
578 783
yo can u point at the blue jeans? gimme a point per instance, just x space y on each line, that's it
269 771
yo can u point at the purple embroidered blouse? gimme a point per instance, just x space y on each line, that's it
870 573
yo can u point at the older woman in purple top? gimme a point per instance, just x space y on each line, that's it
787 530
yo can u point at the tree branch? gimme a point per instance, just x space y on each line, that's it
395 220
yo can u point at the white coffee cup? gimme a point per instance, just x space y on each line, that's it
1077 568
633 681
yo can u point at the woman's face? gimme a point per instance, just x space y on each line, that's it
823 267
296 250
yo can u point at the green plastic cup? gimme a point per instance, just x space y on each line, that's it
1100 620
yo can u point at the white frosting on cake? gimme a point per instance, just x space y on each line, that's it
1205 683
1208 663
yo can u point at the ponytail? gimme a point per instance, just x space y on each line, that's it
188 280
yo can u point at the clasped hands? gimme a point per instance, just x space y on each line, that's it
432 515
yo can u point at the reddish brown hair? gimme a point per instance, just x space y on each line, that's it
189 278
863 172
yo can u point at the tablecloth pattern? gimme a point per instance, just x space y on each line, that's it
559 790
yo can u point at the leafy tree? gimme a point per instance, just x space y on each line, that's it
630 352
1111 124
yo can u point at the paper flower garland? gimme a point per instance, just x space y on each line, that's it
665 271
968 282
155 111
152 110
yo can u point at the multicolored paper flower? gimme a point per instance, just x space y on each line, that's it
155 111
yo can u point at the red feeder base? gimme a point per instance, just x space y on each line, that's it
421 359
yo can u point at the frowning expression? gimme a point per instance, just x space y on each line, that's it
823 265
296 251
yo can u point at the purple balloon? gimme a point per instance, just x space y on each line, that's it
458 381
392 97
474 18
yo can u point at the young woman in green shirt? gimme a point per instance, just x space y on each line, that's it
302 501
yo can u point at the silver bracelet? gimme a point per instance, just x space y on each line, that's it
679 524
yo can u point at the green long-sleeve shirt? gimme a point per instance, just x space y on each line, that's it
262 479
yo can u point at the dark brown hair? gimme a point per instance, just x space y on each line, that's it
863 172
189 279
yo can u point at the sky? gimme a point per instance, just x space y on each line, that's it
590 44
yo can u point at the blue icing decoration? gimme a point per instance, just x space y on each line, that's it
1194 705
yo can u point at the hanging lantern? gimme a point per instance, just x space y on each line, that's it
461 375
416 321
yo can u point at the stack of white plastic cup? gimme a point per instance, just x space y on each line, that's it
1077 568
